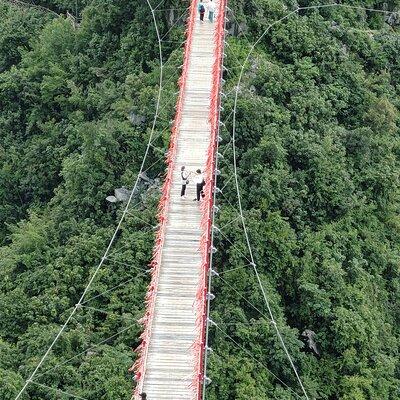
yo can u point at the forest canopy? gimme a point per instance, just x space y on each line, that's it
318 156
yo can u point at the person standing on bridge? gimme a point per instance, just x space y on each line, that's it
202 10
211 10
184 181
199 180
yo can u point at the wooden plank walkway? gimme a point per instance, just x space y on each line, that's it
170 367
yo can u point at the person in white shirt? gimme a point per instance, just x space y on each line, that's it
184 180
199 181
211 10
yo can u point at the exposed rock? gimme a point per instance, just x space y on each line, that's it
136 119
172 17
309 337
393 19
146 187
122 194
233 27
144 177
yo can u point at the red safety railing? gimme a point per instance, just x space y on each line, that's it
139 366
207 205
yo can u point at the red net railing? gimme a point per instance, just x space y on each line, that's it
208 202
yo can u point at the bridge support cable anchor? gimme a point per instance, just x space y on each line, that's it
217 190
215 209
212 272
216 229
210 322
210 296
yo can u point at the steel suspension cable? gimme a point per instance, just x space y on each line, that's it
255 359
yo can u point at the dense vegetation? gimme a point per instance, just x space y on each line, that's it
318 151
68 98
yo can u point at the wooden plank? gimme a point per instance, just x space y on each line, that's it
170 367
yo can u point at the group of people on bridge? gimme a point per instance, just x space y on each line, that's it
198 179
210 6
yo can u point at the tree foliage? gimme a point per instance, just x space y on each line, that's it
70 100
318 151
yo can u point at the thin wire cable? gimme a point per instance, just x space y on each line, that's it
121 250
86 350
227 147
349 6
24 4
226 183
179 18
99 310
227 117
158 149
236 175
226 199
240 201
243 298
123 317
226 271
165 83
238 24
109 290
140 219
255 359
161 158
234 246
63 327
230 222
160 134
58 390
141 272
158 5
169 9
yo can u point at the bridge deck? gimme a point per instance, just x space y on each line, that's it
170 366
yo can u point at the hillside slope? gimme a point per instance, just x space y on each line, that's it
318 152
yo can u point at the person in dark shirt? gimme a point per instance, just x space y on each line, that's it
202 10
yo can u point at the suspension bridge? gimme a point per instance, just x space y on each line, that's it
170 363
172 357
